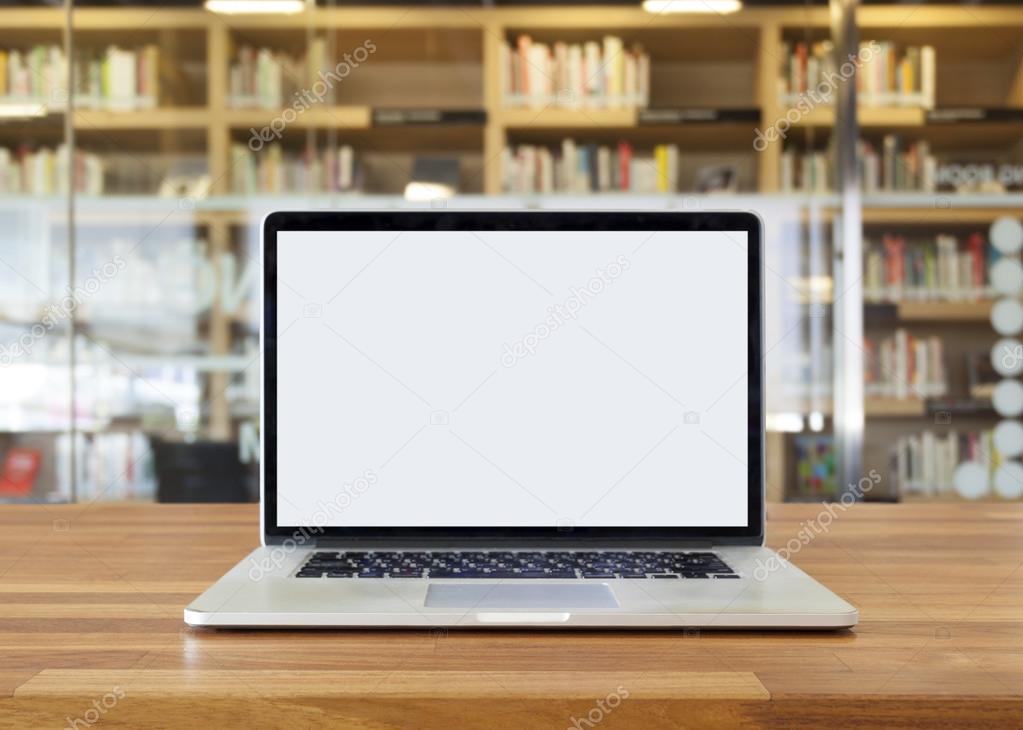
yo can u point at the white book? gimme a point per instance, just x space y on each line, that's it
592 74
508 170
122 81
928 69
576 82
568 165
539 80
901 374
346 167
504 63
562 87
546 162
613 67
631 90
643 79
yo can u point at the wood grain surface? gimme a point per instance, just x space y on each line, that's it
91 635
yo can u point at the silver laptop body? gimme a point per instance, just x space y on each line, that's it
508 419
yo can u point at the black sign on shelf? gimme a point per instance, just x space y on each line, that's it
697 116
973 114
427 117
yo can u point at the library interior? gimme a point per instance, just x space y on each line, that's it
141 146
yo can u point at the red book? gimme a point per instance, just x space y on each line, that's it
975 245
801 61
894 262
18 474
624 163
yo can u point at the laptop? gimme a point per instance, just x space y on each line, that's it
514 419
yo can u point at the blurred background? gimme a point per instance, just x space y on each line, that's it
141 145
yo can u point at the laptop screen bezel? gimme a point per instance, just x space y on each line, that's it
516 220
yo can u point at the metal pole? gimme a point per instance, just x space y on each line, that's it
69 140
847 319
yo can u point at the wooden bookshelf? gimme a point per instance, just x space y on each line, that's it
448 58
430 37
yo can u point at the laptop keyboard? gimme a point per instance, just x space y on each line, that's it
500 565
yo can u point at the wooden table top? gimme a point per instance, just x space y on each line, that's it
91 631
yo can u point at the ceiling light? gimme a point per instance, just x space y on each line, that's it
721 7
22 111
255 7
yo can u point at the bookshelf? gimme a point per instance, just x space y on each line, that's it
711 82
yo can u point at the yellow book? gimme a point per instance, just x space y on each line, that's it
3 73
661 158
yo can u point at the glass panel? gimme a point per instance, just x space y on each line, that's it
940 171
189 126
36 305
166 353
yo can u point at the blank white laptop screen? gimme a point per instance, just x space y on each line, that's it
501 379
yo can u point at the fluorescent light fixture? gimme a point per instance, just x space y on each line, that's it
22 111
721 7
424 191
255 7
784 422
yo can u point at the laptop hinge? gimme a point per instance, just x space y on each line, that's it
332 542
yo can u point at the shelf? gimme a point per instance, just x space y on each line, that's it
868 117
569 118
910 311
160 118
345 117
894 407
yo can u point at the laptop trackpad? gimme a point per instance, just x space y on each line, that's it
530 595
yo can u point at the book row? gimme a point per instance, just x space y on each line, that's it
888 74
925 463
589 168
114 78
264 78
44 171
939 268
903 366
896 165
275 171
604 74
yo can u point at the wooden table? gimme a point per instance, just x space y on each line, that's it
91 631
